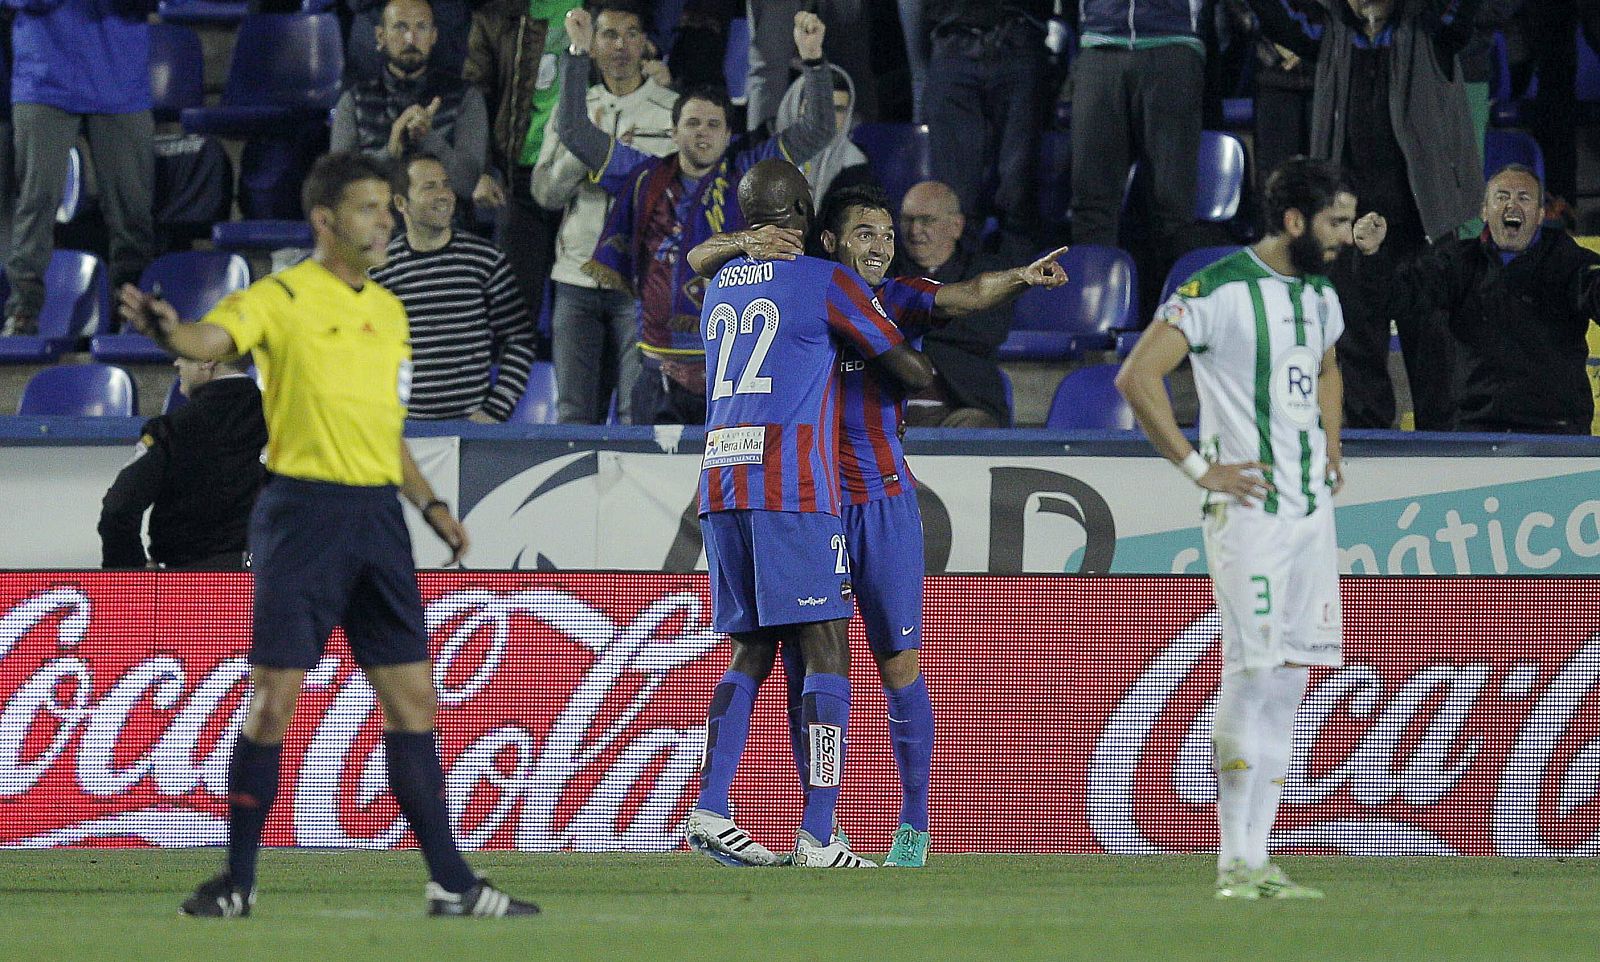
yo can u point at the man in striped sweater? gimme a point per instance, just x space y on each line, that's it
462 302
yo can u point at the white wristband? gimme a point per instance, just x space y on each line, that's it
1194 466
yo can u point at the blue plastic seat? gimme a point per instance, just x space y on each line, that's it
1219 177
1082 315
71 188
77 304
1191 264
95 390
286 70
736 61
1055 180
203 12
1087 399
192 282
899 154
245 235
175 398
538 403
177 70
1502 147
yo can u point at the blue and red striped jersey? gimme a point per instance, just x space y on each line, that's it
872 464
773 332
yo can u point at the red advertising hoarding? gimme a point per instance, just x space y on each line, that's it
1073 715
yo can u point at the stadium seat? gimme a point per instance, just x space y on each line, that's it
1239 113
1189 265
96 390
1055 181
1126 340
1011 407
1087 399
203 12
246 235
1506 109
193 282
285 71
72 188
538 404
1219 181
319 6
736 62
1502 147
1588 88
175 398
899 155
1082 315
77 304
177 70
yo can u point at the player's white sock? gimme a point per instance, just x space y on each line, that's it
1282 688
1233 738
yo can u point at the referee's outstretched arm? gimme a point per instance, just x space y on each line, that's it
156 319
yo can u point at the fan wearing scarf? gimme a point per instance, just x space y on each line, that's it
667 205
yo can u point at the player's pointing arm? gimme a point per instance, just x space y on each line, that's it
994 288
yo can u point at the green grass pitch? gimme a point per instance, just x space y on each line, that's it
121 906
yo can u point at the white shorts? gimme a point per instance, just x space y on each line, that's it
1276 582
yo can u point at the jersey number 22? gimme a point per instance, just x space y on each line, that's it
727 325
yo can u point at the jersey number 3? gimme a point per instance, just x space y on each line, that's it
727 325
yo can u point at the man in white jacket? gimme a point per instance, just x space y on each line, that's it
594 330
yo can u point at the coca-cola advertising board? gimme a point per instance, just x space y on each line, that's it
1073 715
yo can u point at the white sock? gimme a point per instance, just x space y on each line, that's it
1282 689
1233 738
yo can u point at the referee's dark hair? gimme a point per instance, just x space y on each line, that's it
837 203
332 173
1302 184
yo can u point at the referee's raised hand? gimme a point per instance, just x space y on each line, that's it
148 314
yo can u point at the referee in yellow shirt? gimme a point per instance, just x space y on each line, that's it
328 535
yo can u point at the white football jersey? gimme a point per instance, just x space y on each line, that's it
1256 341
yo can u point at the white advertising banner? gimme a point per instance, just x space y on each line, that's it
620 510
50 500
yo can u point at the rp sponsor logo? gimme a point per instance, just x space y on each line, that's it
811 602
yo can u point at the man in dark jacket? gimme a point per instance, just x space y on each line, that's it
411 106
1390 105
200 467
1518 299
967 390
82 66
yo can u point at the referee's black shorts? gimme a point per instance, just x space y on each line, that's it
333 554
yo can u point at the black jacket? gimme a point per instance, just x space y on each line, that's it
1520 327
200 466
964 350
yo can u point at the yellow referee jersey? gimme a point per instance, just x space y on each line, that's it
336 370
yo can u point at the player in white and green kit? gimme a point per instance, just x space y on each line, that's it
1259 327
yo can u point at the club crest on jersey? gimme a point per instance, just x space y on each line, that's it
1294 386
1173 313
729 446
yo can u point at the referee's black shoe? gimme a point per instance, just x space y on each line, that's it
219 898
482 900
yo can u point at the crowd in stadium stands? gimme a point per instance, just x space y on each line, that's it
584 147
